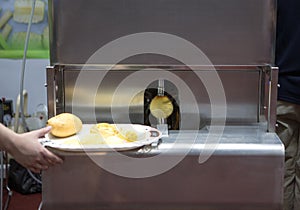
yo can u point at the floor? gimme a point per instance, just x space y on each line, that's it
22 202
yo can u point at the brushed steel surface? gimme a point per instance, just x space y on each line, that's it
51 91
242 96
230 32
245 172
273 99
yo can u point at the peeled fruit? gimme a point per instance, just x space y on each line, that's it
65 124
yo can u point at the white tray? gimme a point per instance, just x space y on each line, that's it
146 136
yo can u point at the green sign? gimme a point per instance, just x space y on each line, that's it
14 18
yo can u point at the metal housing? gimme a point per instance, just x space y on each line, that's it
236 38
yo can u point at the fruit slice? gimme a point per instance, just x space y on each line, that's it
5 18
6 31
23 10
45 38
17 41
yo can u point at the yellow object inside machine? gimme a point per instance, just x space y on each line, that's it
161 107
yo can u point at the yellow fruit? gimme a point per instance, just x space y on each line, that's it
65 124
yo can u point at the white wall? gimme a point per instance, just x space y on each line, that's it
35 79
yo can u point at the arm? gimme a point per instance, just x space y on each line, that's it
27 150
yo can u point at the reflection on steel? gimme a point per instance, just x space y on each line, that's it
234 32
246 87
245 172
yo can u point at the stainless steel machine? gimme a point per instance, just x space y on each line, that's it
214 62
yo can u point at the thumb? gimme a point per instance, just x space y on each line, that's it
43 131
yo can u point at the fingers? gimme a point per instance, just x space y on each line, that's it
37 168
51 158
43 164
34 169
45 160
48 159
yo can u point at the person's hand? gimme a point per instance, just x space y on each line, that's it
28 151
